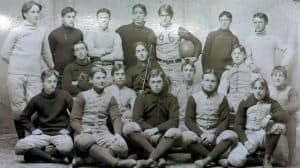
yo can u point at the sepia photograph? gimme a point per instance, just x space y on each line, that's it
149 83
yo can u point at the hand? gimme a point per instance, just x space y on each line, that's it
265 121
64 132
74 83
108 51
207 138
86 130
37 132
151 131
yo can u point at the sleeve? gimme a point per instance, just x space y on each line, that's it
69 101
76 114
190 117
93 51
8 45
224 83
115 115
278 114
293 104
173 120
137 113
224 116
46 53
248 47
206 51
240 121
117 52
185 34
52 44
25 118
132 100
287 53
66 82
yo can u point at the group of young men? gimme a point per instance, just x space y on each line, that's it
127 98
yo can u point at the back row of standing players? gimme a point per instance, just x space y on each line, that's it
141 50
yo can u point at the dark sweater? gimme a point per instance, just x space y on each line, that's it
61 42
277 114
156 110
130 34
52 113
78 71
217 50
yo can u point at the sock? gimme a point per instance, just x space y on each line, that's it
291 133
37 153
142 141
220 148
163 145
271 144
102 155
199 149
19 129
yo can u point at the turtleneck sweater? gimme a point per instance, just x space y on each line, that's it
25 47
52 112
61 42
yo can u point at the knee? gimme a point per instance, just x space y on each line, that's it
65 148
84 141
130 128
238 156
119 147
189 137
227 135
173 133
22 147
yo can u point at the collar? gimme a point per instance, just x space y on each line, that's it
49 96
208 94
29 25
224 30
82 62
139 26
98 90
66 27
261 33
188 83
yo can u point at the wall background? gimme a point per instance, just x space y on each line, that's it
198 16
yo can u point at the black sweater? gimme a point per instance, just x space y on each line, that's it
52 113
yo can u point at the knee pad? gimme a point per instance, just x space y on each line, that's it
119 147
84 141
189 137
131 127
173 133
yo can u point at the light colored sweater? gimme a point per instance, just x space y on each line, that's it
24 47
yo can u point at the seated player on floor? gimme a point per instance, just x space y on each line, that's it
52 126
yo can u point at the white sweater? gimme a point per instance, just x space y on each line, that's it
24 47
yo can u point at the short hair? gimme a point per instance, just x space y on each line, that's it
167 8
80 42
210 71
96 69
28 5
263 82
66 10
103 10
47 73
262 16
141 6
188 62
240 47
140 43
225 13
117 67
280 69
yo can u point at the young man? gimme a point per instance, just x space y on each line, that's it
92 110
287 97
185 90
124 96
135 32
138 75
23 49
236 82
168 38
156 115
105 45
207 118
218 45
255 125
52 128
262 46
61 41
76 75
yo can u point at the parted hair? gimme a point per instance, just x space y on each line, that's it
263 82
167 8
96 69
225 13
117 67
262 16
188 62
66 10
47 73
141 6
210 71
28 5
280 69
103 10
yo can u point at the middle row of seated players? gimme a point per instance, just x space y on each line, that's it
153 124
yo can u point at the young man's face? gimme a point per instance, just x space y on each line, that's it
33 15
165 19
259 91
103 20
99 80
188 72
80 51
49 84
156 84
138 15
238 56
224 22
119 77
259 24
141 52
68 19
209 82
278 79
